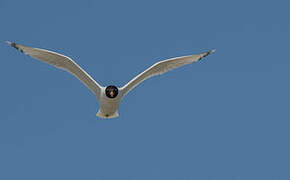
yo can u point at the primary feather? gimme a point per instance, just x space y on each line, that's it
162 67
62 62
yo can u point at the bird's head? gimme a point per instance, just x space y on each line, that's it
111 91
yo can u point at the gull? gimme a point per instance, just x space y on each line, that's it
109 97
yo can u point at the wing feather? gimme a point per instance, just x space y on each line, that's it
162 67
62 62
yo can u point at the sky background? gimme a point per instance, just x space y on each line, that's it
223 118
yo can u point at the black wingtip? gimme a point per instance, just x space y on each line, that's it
210 52
14 45
207 53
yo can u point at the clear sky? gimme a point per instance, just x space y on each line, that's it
226 117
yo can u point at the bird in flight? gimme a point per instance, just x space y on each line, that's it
108 97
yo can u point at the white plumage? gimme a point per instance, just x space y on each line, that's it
109 97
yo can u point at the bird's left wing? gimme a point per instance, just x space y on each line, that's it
62 62
162 67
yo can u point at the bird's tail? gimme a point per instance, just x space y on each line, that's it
107 116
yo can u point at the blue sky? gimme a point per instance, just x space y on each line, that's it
223 118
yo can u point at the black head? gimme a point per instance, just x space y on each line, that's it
111 91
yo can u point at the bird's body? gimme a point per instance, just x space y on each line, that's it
109 106
108 97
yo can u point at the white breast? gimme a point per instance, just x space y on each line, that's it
108 106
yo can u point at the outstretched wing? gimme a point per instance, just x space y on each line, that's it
162 67
62 62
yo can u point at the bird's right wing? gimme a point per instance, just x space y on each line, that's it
162 67
62 62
